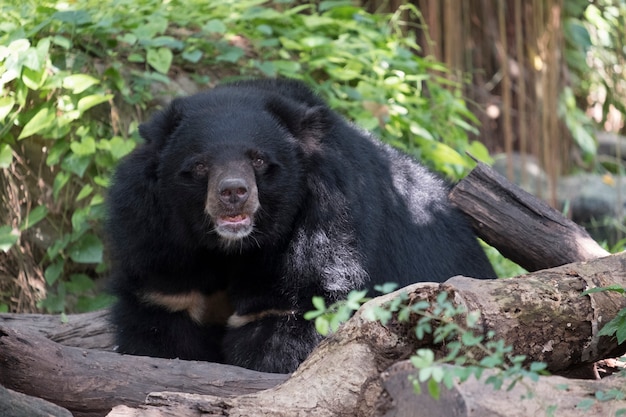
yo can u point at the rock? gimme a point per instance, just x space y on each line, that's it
527 173
596 202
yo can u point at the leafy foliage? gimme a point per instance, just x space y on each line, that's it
614 328
595 35
76 78
451 326
447 325
329 318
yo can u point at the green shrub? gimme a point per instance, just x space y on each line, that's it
77 77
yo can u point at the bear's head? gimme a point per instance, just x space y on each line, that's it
232 162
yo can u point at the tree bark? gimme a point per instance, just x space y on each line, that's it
522 227
542 315
15 404
90 382
86 330
474 398
342 377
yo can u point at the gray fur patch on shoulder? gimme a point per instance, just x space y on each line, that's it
331 256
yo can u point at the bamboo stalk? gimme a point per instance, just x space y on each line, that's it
506 86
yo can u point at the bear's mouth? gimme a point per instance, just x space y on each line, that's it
234 227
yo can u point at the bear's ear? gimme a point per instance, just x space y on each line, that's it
308 124
163 124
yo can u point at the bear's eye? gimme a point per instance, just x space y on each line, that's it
200 170
257 162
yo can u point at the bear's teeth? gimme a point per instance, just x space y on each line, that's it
235 219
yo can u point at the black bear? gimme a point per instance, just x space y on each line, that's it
246 201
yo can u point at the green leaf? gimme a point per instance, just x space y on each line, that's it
6 105
418 130
616 327
121 147
79 82
35 216
30 59
53 271
34 78
577 33
287 67
386 288
6 155
87 146
472 318
423 358
128 38
621 331
322 326
90 101
156 24
74 17
469 339
491 362
613 287
135 57
59 182
42 120
61 41
88 249
8 238
214 26
160 59
80 219
97 302
85 192
231 54
57 151
310 315
355 299
76 164
192 56
319 304
433 389
586 404
479 151
538 366
79 283
267 68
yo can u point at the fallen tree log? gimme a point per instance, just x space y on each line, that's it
473 398
522 227
343 375
542 315
15 404
90 382
86 330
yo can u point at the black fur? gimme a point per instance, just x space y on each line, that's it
259 189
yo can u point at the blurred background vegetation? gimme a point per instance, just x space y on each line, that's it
535 79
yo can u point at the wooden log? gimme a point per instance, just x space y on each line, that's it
86 330
15 404
343 375
90 382
522 227
477 399
542 315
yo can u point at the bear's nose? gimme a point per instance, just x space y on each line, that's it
233 191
